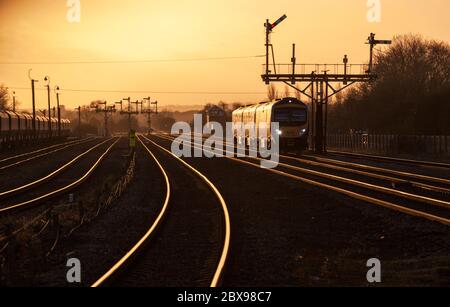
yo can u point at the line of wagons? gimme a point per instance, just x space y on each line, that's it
18 127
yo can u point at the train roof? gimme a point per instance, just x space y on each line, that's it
11 113
26 115
286 100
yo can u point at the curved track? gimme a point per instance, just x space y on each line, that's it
376 193
125 271
29 201
391 159
6 163
46 178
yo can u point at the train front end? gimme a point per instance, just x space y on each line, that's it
292 116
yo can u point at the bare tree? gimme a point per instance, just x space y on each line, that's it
339 97
236 105
4 98
298 95
272 92
223 105
410 95
286 91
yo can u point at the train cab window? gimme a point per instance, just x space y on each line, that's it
298 115
290 116
281 116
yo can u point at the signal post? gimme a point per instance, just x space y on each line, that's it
106 110
318 81
149 111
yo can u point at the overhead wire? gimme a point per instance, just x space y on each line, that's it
148 91
132 61
140 61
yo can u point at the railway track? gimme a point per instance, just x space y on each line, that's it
51 187
391 178
390 159
197 230
16 160
366 185
34 183
21 159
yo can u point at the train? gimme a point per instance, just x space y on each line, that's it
17 127
290 113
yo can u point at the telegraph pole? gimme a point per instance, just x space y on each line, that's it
14 101
47 78
129 111
121 105
59 110
149 112
373 42
319 82
269 28
267 25
106 110
319 117
33 101
345 61
79 121
137 103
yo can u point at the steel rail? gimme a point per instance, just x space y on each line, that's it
372 175
392 159
227 236
374 168
352 194
44 154
53 193
50 175
378 169
119 264
36 151
424 186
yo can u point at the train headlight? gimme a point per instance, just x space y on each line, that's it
279 132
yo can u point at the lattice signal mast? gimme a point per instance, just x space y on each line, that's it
129 110
149 111
318 78
106 110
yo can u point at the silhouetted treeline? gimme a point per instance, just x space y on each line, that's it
163 121
410 96
5 103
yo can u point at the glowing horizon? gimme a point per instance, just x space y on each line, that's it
38 31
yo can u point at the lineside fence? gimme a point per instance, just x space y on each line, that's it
438 145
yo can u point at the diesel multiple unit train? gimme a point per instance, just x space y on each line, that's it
18 127
290 113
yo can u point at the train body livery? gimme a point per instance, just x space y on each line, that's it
17 127
291 115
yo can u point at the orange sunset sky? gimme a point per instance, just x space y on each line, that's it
324 30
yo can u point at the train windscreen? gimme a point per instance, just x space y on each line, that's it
290 116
